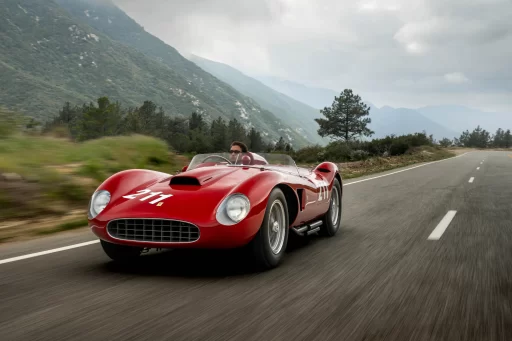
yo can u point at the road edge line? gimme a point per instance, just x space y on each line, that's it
42 253
404 170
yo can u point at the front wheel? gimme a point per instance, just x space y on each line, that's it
332 219
121 253
269 244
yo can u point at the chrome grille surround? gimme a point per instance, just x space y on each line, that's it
153 230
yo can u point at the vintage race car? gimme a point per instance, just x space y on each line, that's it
252 201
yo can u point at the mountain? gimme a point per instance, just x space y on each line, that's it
75 50
465 118
385 120
296 114
398 121
312 96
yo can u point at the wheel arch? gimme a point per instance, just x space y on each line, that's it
292 201
338 176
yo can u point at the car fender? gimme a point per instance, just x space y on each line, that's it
329 171
130 180
258 189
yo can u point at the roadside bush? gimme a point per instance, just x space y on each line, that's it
310 154
361 150
338 151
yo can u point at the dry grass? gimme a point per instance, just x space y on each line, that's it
17 230
350 170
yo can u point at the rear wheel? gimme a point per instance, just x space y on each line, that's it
121 253
332 219
269 244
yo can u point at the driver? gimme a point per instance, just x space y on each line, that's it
237 148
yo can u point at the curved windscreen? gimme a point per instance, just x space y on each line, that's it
280 162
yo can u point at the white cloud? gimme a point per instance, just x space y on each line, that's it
438 48
456 78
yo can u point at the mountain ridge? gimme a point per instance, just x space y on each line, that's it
297 114
441 120
56 57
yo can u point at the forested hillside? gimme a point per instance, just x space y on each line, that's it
298 115
185 135
49 57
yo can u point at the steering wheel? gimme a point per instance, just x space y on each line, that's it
220 157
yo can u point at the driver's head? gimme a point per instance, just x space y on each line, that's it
237 148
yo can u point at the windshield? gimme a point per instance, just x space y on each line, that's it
280 162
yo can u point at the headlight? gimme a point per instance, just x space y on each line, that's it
233 209
99 201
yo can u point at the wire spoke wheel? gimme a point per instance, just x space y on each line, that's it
335 205
276 226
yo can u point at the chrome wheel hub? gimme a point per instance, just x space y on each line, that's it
276 226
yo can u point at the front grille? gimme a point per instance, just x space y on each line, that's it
153 230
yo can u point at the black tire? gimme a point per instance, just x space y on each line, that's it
121 253
328 228
260 246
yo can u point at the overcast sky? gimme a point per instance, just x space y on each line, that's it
391 52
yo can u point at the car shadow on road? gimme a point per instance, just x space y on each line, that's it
202 263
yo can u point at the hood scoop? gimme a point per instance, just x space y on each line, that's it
185 180
200 176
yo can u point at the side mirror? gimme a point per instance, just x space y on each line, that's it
184 168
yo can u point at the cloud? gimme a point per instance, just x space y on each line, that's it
385 49
456 78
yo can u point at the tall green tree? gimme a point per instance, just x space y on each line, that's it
346 118
507 139
256 143
104 120
219 135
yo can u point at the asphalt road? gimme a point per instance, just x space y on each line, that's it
382 278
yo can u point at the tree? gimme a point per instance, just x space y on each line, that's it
280 145
479 138
445 142
507 139
345 118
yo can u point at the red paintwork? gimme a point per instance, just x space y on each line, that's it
198 204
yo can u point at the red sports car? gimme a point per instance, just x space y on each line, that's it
217 202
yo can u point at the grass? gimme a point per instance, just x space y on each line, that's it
381 164
372 165
30 229
59 175
67 226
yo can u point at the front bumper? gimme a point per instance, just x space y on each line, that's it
161 233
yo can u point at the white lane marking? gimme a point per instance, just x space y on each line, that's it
477 168
42 253
471 180
443 224
403 170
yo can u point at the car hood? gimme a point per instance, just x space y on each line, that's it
190 196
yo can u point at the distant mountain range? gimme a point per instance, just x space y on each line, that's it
441 121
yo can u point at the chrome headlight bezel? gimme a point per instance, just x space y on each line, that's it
96 206
226 212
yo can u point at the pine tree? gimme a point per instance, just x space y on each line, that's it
345 119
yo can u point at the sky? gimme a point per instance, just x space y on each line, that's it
406 53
